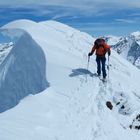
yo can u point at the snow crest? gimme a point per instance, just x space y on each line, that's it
22 71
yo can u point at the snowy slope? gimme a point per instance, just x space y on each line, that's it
112 40
73 107
22 69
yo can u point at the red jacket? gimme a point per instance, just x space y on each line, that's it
101 51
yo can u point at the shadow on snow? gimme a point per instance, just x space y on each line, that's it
81 71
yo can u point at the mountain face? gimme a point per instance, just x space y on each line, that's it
5 48
22 69
73 105
128 47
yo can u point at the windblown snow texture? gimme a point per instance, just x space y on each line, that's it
74 106
22 72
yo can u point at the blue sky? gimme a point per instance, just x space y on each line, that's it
96 17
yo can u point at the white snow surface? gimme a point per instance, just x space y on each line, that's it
136 36
137 33
137 63
73 107
5 48
112 40
22 69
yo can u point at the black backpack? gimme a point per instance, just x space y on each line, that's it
99 43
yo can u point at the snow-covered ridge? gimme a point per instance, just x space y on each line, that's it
22 69
17 66
112 40
73 107
137 33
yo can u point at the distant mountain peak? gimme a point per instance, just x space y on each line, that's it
137 33
128 47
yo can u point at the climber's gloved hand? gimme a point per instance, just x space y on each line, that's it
89 54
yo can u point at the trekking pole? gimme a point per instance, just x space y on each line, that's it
108 66
87 67
88 62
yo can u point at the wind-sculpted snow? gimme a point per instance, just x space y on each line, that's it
74 106
22 71
5 48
